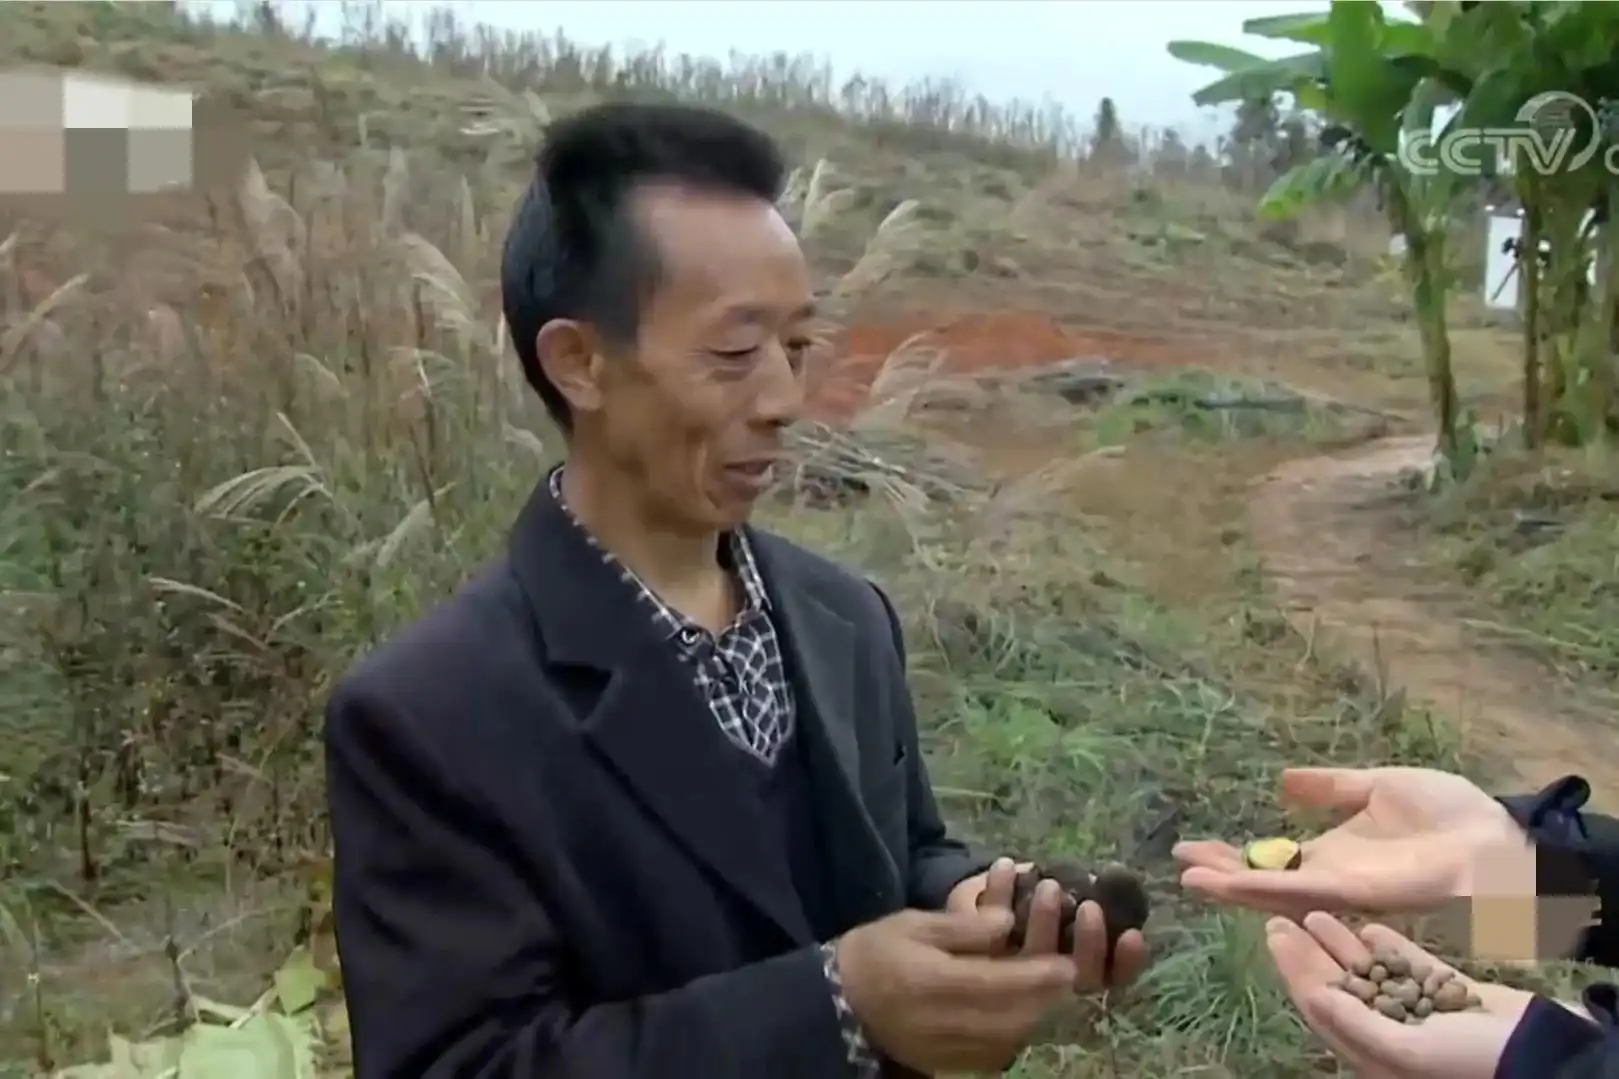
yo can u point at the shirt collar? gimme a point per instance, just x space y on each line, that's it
736 552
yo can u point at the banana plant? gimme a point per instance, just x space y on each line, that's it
1511 55
1379 83
1362 73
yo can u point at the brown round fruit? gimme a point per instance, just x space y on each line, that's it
1278 853
1117 890
1123 898
1023 890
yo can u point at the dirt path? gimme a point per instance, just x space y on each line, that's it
1342 574
1323 548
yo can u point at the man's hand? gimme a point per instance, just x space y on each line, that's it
992 890
933 994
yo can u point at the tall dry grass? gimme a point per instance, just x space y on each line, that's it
250 452
211 501
217 491
245 441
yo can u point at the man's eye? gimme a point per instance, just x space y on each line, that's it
734 354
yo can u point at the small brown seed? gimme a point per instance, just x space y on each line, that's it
1437 979
1398 965
1423 1008
1389 1007
1474 1002
1379 973
1451 997
1405 991
1361 967
1420 972
1360 988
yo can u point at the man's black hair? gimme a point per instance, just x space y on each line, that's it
572 250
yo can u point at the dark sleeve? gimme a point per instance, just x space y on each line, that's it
453 969
1576 853
1551 1042
938 862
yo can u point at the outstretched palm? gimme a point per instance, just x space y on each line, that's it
1407 841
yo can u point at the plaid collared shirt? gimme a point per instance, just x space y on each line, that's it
739 672
741 675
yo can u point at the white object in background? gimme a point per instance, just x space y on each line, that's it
1500 268
1501 282
94 101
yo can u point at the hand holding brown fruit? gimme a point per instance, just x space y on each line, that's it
1064 908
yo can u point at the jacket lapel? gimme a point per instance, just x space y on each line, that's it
820 647
650 724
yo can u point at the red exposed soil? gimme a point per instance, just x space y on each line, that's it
969 343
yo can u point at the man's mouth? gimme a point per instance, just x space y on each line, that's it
757 474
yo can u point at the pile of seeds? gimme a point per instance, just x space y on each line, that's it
1406 992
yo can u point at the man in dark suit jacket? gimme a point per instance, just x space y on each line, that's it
644 800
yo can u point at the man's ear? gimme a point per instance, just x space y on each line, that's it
571 359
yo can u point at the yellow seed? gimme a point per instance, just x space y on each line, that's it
1278 853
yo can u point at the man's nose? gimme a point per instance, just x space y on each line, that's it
781 387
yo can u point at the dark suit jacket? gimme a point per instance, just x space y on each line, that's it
546 863
1576 853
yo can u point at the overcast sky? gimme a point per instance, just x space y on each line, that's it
1074 51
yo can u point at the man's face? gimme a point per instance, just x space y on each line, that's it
695 418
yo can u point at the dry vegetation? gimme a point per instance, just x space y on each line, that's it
244 438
